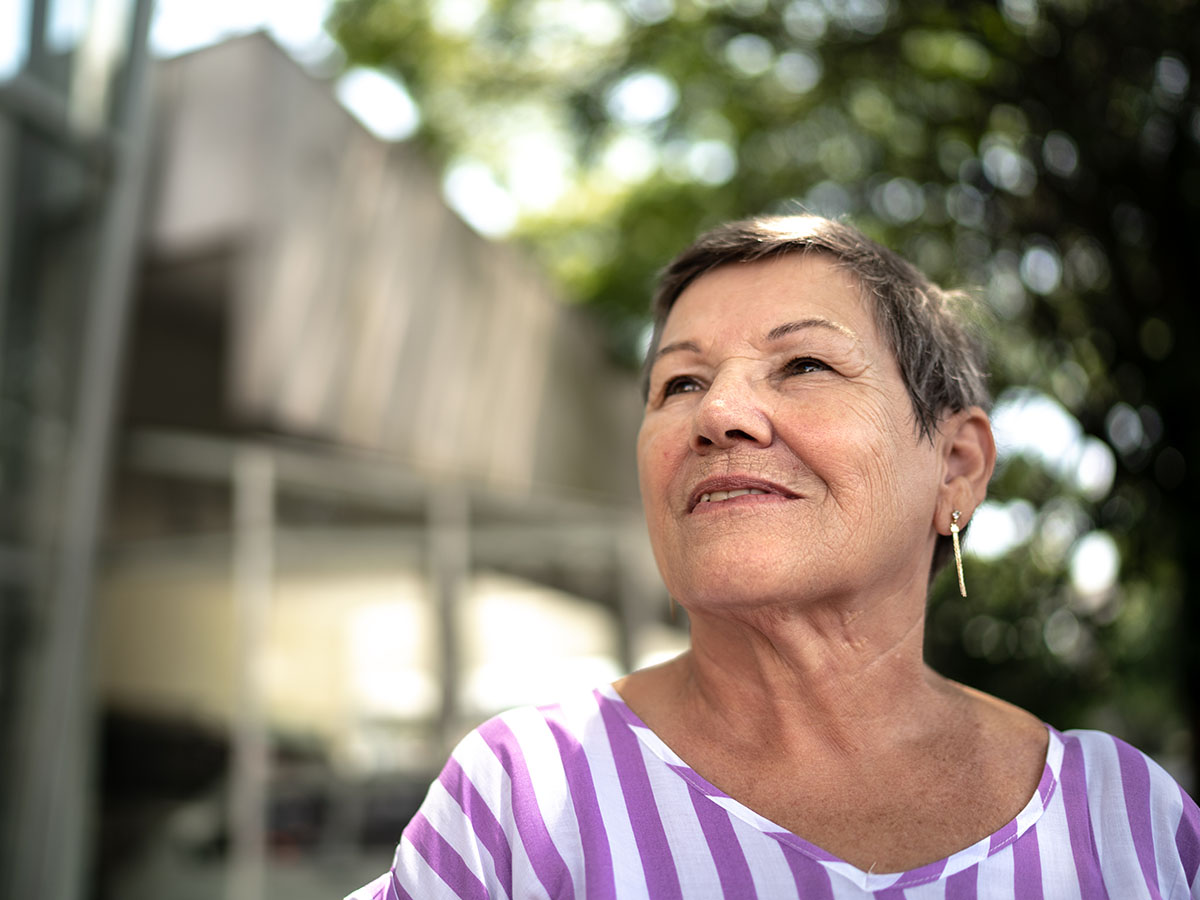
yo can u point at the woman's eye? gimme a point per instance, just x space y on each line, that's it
804 364
681 384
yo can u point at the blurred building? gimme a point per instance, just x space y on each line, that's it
370 481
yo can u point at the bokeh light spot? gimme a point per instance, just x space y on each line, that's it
1041 269
1095 562
650 12
1060 155
380 102
996 528
642 98
1171 76
473 192
1008 170
749 54
798 71
1063 633
1124 428
898 200
827 198
805 20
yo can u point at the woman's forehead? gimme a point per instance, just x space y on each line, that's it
765 295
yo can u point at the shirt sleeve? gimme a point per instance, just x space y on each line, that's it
455 847
1187 843
1162 821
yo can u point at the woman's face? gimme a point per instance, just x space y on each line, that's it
778 456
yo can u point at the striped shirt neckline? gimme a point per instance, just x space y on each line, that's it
868 881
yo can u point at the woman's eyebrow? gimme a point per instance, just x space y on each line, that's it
781 331
677 347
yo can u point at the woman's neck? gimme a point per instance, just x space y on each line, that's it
839 679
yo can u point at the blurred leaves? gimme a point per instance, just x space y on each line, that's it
1043 151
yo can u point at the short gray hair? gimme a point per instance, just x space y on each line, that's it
932 332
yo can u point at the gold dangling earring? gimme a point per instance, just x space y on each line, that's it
962 585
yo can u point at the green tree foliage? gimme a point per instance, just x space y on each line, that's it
1044 153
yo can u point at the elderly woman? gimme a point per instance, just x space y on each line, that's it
814 438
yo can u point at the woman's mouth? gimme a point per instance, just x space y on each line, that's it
712 492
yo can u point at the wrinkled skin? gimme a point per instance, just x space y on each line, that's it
820 413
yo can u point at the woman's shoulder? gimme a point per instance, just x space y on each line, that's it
1090 762
1104 761
511 780
511 737
1129 795
1012 740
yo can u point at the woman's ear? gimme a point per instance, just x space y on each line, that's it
969 457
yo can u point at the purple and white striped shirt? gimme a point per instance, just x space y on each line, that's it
582 800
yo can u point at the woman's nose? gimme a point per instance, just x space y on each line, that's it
730 413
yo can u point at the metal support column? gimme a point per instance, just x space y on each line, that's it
50 856
449 565
633 600
253 584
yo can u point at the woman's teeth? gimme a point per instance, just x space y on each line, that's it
718 496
